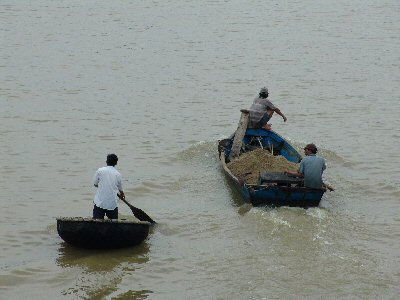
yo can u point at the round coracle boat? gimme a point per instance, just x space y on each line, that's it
102 234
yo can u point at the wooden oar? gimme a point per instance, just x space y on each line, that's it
137 212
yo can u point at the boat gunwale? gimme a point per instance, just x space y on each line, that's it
283 187
100 221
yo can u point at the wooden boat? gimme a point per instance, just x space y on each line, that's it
95 233
272 189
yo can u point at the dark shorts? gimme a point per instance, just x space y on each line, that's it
98 213
264 120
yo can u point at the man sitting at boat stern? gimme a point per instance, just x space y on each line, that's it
261 111
311 168
109 183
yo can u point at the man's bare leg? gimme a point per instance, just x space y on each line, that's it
267 127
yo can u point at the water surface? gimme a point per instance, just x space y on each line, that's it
158 83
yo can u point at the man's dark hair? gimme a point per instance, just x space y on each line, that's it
112 160
312 148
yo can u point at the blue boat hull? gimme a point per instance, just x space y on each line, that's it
269 195
279 195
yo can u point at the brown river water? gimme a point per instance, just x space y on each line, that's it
159 83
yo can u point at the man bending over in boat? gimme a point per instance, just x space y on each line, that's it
311 168
262 110
108 182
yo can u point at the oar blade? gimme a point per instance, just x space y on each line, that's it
141 215
137 212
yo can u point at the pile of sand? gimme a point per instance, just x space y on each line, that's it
250 164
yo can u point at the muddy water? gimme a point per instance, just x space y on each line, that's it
158 83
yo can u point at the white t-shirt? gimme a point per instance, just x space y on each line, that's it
109 182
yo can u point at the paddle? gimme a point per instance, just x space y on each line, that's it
137 212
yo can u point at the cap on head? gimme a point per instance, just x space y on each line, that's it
311 147
112 159
264 90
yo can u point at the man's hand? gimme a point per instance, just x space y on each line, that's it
330 188
293 173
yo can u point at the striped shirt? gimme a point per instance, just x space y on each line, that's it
258 109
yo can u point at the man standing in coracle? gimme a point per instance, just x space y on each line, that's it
109 183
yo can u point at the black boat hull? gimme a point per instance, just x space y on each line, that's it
102 234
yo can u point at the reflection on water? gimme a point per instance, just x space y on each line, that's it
100 272
243 209
133 295
101 260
